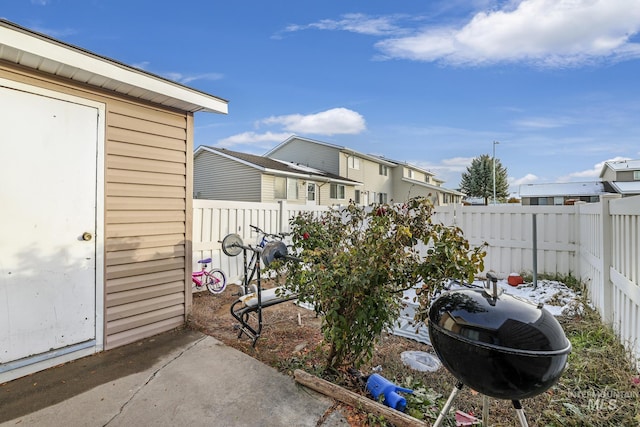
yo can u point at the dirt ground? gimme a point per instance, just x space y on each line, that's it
288 330
291 339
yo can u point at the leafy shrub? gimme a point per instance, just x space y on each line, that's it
356 263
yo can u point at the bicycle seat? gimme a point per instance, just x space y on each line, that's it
204 261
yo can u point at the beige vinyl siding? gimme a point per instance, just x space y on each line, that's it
403 190
310 154
146 215
218 178
376 183
325 195
346 169
148 187
268 190
609 175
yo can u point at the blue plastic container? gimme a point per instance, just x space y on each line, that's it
377 385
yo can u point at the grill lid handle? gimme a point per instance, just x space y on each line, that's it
491 286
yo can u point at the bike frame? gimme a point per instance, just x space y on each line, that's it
253 265
197 276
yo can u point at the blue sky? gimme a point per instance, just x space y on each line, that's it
433 83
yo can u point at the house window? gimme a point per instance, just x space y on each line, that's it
336 191
357 197
285 188
384 170
292 188
558 201
445 198
354 162
427 178
280 187
311 191
382 198
409 173
636 175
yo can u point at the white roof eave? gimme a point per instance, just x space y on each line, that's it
38 51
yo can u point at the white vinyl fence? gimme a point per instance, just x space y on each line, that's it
598 243
624 271
214 219
508 231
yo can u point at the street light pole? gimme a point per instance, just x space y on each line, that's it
494 171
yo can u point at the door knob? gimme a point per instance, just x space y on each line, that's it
86 236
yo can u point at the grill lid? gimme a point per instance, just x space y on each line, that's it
498 321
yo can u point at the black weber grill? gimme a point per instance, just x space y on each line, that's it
499 345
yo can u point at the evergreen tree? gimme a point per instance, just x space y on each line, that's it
477 181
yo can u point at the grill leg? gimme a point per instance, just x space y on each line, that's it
445 408
485 410
520 413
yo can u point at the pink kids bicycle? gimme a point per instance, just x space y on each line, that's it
214 279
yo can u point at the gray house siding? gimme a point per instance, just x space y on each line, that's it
216 177
310 154
624 176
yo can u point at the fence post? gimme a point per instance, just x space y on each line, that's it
577 219
606 248
534 234
282 221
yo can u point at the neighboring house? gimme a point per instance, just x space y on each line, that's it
95 225
409 181
622 177
383 180
222 174
561 193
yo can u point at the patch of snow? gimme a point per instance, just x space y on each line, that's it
555 296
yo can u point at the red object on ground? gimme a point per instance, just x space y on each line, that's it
464 419
515 279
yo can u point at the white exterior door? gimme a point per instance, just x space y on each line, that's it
311 193
48 155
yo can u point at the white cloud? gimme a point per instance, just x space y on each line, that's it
188 78
55 33
264 140
550 33
356 23
331 122
142 65
527 179
458 163
180 77
448 170
590 174
545 122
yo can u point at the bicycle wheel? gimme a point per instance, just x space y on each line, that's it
216 281
232 245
